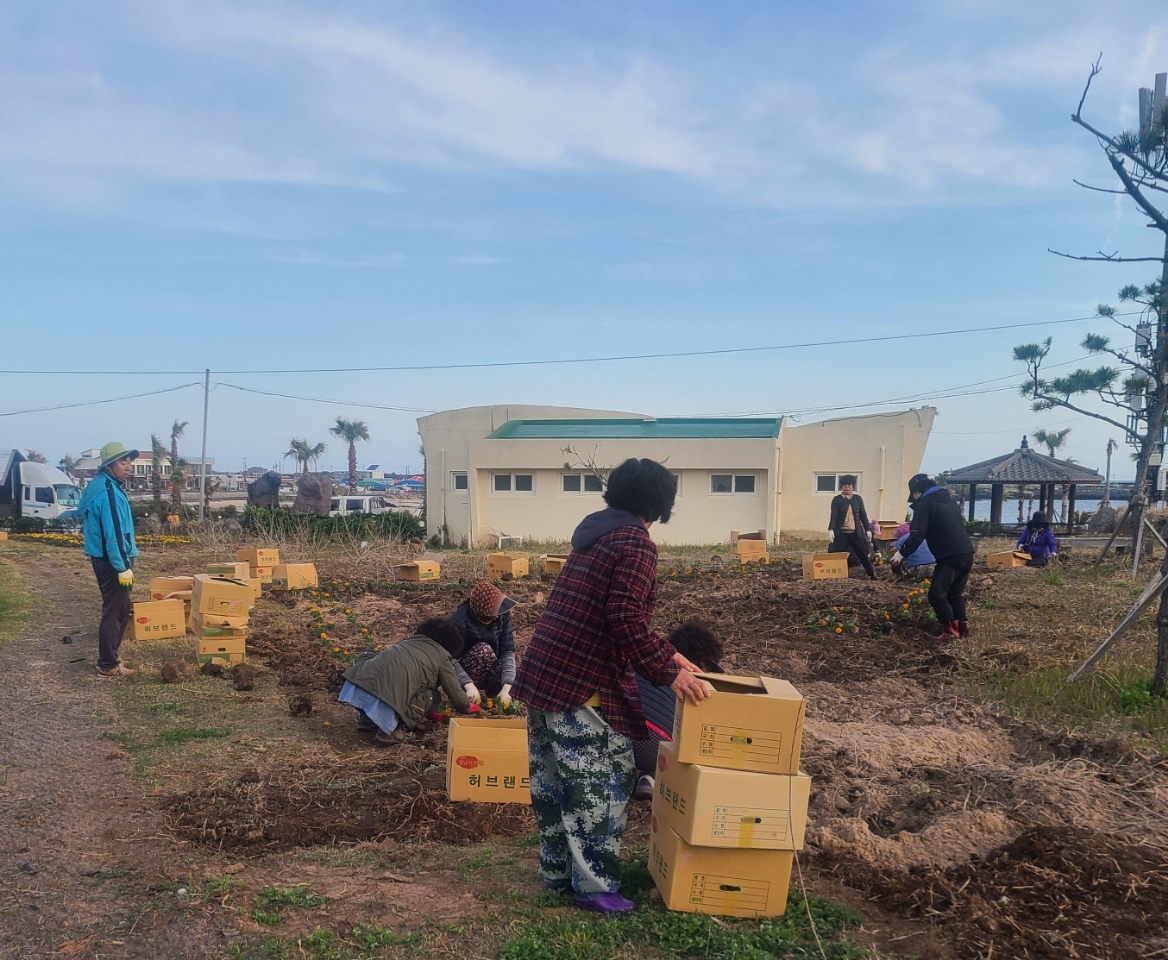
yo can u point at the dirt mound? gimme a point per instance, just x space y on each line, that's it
399 797
1049 893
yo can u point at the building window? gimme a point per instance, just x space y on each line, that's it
829 482
513 482
731 483
581 483
458 481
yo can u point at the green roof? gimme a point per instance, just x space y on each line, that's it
632 428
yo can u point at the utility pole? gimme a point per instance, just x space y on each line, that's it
1112 446
203 463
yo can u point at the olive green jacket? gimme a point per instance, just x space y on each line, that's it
405 676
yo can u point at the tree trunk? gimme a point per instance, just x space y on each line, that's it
1160 678
352 467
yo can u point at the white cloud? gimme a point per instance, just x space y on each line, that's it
257 96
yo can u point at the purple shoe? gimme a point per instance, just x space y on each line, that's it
604 902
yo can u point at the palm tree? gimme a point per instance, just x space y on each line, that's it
35 456
157 454
351 430
68 463
303 453
1052 440
178 476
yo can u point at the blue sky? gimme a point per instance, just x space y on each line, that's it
293 186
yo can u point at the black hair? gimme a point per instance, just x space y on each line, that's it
643 488
848 479
697 643
444 632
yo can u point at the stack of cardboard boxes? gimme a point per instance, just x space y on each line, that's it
220 610
750 547
729 803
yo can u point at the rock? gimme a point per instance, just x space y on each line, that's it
177 671
148 525
68 638
301 706
244 676
264 491
314 494
1103 519
212 670
231 527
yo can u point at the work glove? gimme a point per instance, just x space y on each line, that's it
897 561
505 696
126 579
472 693
869 536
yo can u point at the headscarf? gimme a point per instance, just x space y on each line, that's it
485 600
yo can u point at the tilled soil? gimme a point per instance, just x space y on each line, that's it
998 839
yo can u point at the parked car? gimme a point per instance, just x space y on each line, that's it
344 506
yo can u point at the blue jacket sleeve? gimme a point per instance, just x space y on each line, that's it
112 534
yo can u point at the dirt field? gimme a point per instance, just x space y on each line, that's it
953 829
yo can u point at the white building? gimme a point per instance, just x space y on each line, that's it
535 471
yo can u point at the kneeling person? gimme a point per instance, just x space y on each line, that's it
394 688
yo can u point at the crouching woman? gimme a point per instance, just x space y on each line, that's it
393 688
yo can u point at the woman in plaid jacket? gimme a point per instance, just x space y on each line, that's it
578 680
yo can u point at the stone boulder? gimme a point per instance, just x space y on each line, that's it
177 671
264 491
244 676
1103 520
314 494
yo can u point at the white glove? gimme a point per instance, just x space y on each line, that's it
126 578
505 695
472 693
896 560
869 536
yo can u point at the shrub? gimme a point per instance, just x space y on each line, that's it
280 522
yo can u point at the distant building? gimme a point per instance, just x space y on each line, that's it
534 471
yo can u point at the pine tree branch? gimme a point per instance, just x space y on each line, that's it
1108 257
1134 192
1066 404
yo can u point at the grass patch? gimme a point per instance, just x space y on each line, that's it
14 603
365 941
171 738
298 897
660 933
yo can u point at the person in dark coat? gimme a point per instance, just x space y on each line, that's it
937 521
394 687
1038 541
487 666
697 643
849 526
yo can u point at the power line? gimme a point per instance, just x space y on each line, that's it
93 403
341 403
493 364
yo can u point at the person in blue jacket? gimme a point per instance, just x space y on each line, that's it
108 529
919 564
1038 541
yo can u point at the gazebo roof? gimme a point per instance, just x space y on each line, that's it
1023 466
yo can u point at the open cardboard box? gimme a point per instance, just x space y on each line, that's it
1007 560
750 723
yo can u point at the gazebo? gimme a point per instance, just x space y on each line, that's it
1024 467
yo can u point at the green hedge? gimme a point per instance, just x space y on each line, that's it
281 522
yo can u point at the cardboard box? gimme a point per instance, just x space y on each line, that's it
263 574
1007 560
258 557
157 620
730 883
226 650
750 723
553 564
3 534
294 576
752 551
711 807
228 598
486 760
825 566
163 587
887 529
256 585
513 563
418 570
209 625
229 571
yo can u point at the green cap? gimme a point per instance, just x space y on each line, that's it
113 452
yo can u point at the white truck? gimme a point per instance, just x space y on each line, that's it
35 490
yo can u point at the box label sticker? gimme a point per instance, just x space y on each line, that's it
748 824
736 744
729 893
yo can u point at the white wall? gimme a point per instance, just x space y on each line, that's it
883 450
